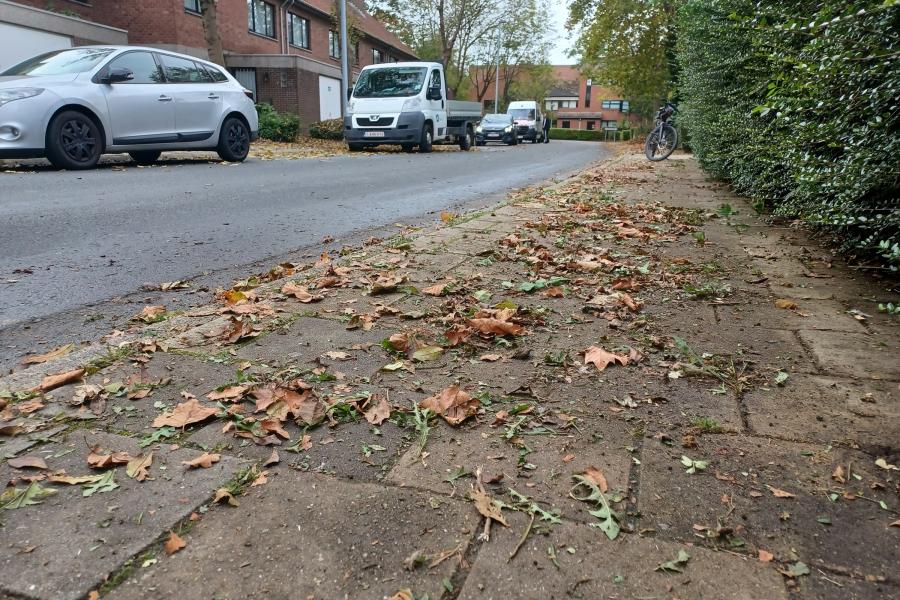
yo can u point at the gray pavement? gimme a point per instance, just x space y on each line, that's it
70 240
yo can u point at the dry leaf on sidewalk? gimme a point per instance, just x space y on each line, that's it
139 467
452 404
174 543
601 359
184 414
485 505
35 359
204 461
51 382
379 410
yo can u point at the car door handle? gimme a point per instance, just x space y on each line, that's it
213 96
164 98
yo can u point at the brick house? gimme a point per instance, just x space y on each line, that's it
574 101
285 51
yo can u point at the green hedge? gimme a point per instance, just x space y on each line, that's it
279 127
332 129
583 135
795 103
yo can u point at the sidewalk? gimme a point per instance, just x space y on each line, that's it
723 392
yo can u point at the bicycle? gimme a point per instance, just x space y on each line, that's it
663 139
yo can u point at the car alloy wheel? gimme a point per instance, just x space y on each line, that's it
238 138
77 140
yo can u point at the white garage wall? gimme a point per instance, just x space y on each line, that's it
20 43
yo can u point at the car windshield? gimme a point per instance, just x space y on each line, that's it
497 120
61 62
391 81
522 113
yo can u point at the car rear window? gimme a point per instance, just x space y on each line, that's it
217 75
182 70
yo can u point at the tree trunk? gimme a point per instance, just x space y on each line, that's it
211 31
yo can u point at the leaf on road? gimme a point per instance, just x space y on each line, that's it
798 569
139 467
595 475
438 289
629 302
452 404
232 392
385 283
765 556
29 406
601 359
149 314
237 329
487 507
205 461
780 493
882 463
490 357
427 353
107 483
96 460
333 355
14 498
402 595
786 304
676 565
489 326
51 382
261 479
11 430
379 410
27 462
61 477
174 543
273 459
300 293
36 359
185 414
224 495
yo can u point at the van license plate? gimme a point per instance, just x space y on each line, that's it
373 134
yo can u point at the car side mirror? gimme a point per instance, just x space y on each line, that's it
118 75
434 93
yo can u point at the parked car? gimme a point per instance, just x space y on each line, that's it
74 105
406 103
496 128
529 120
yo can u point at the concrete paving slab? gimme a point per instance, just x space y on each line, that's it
67 545
866 356
809 314
591 566
320 538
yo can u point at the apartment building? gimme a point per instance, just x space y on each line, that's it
286 52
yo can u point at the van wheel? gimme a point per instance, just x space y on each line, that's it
234 140
74 141
426 144
465 142
145 157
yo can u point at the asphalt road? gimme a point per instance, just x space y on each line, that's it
70 240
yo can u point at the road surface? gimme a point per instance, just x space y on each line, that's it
77 246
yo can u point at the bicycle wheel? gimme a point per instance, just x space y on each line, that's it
661 143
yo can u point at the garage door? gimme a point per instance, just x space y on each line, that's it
247 78
21 43
329 98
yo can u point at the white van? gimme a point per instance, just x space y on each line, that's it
529 120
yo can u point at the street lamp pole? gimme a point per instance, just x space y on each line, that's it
497 84
345 62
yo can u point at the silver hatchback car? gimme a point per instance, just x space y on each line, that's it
74 105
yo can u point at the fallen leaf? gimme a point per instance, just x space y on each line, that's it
185 414
881 462
402 595
630 302
96 460
149 313
486 506
427 353
273 459
174 543
379 410
223 494
786 304
262 479
765 556
305 443
93 595
13 498
205 461
838 474
232 392
490 357
36 359
601 359
337 355
51 382
139 467
61 477
596 476
27 462
489 326
895 523
300 293
676 565
29 406
452 404
780 493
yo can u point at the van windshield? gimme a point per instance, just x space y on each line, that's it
390 82
61 62
522 114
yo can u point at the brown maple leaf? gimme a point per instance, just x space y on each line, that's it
452 404
185 414
601 359
379 410
204 461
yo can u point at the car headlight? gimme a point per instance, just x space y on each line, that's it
508 128
479 129
11 94
412 104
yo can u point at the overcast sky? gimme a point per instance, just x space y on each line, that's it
559 11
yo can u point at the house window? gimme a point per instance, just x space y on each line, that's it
192 6
377 56
609 124
587 93
298 31
334 44
621 105
625 106
566 125
590 125
261 18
